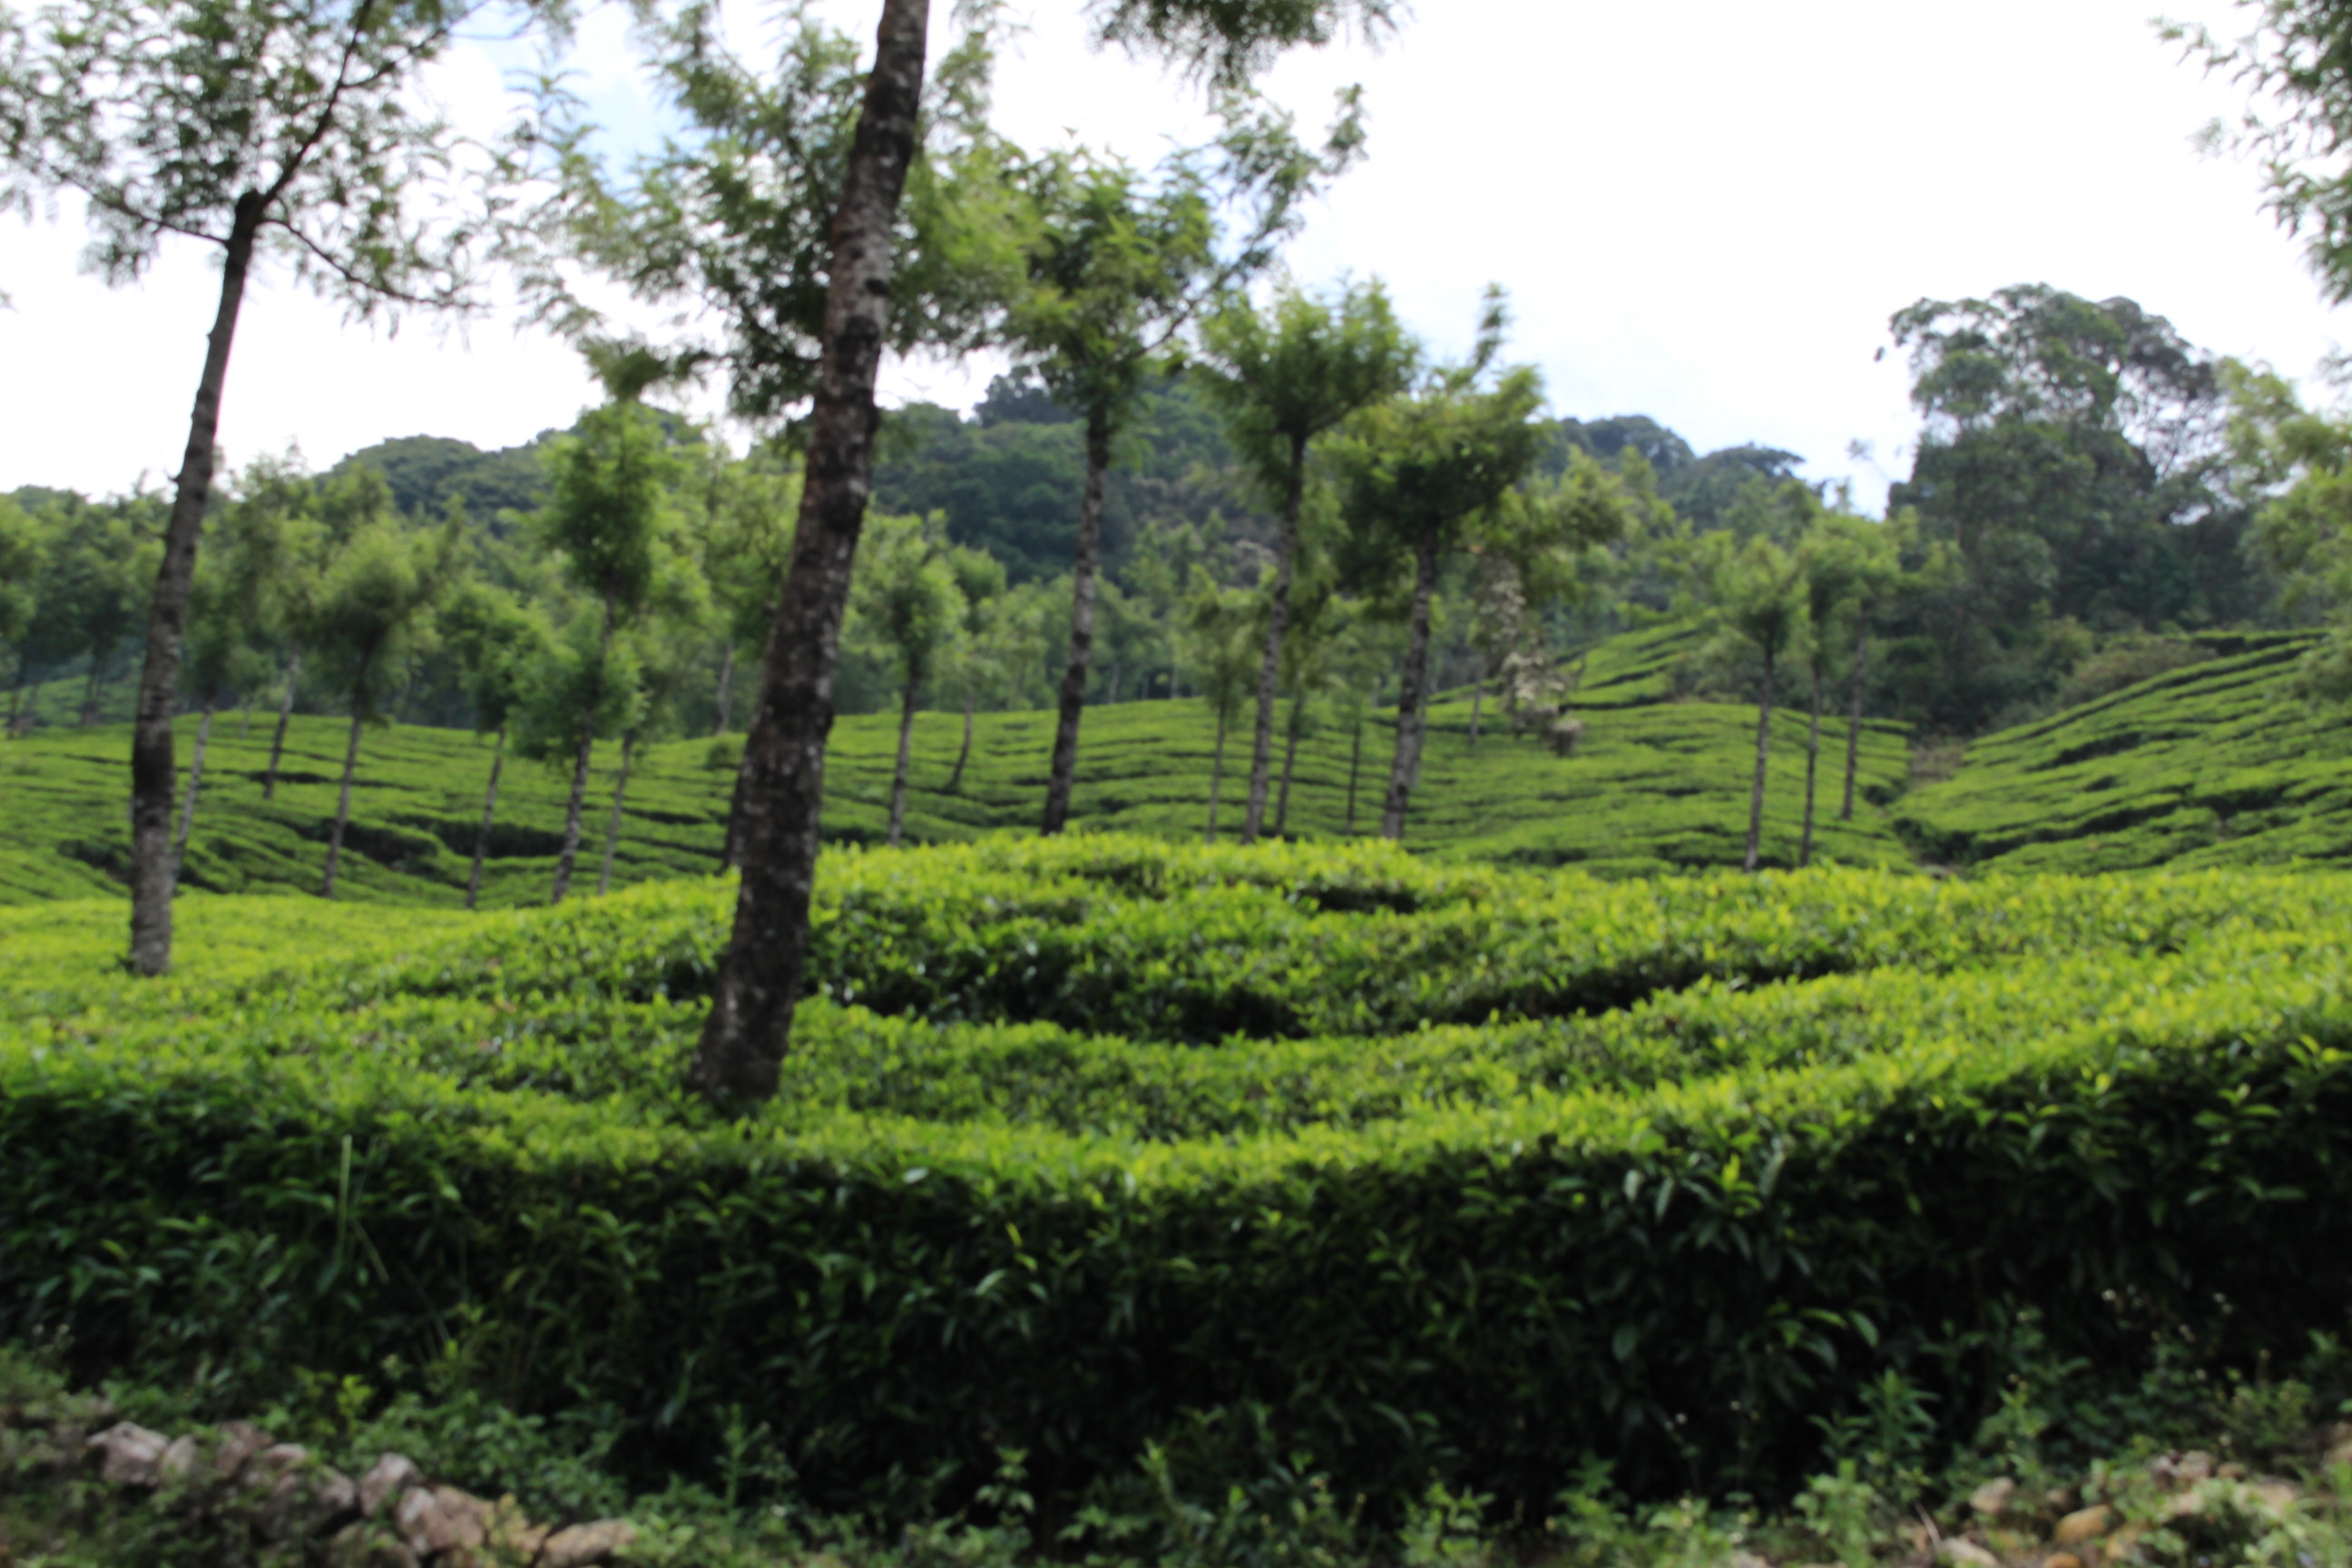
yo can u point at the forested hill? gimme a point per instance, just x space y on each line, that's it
1009 476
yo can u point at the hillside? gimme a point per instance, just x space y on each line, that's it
2216 763
1657 785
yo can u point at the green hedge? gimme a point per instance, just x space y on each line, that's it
1677 1234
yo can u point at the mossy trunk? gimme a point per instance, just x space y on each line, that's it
955 779
574 804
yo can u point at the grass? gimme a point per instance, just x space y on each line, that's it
1657 785
2220 763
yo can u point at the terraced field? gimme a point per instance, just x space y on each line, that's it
2216 763
1657 785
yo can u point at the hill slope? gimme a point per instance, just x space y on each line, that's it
2218 764
1657 785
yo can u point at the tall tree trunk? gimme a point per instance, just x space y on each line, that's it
573 806
759 981
88 714
489 811
955 779
1059 782
16 702
1355 766
195 779
1289 762
906 758
731 855
725 688
152 764
1812 766
244 720
1763 749
343 802
613 824
1478 700
1413 693
1853 722
569 854
285 717
1216 776
1278 621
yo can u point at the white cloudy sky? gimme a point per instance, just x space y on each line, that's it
1704 211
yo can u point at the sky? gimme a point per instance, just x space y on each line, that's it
1704 211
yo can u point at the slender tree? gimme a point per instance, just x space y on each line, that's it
608 513
906 604
1283 376
24 558
227 606
1413 475
980 578
1220 643
261 128
497 644
374 608
1121 263
1759 596
759 976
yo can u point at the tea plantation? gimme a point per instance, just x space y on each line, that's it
1329 1161
2218 764
1658 784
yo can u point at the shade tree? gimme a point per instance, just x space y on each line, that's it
1759 603
1283 374
1413 474
1219 647
905 602
498 643
284 129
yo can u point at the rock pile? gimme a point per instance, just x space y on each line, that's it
394 1516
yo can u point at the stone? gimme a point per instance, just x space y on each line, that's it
1993 1497
128 1455
2194 1465
1958 1551
364 1546
305 1498
2339 1445
2062 1559
2279 1497
2232 1471
266 1468
586 1546
2084 1524
387 1478
177 1464
236 1442
431 1520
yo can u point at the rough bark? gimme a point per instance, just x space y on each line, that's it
285 717
489 812
1853 721
574 804
1216 777
343 802
906 759
726 690
759 981
1413 693
152 765
613 824
195 780
1289 762
955 779
1277 620
1813 767
1083 563
1763 749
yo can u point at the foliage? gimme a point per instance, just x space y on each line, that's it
1759 1145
